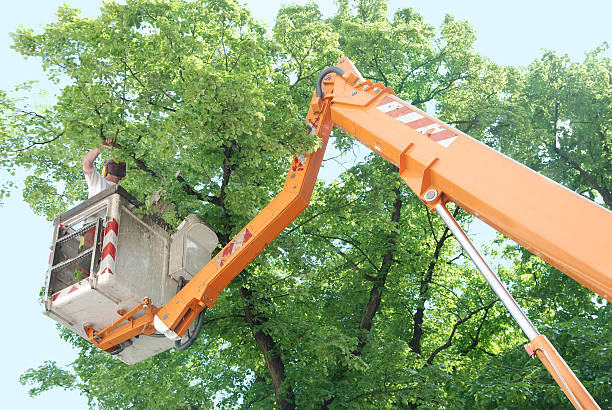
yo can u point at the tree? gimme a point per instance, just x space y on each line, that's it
365 301
558 122
180 87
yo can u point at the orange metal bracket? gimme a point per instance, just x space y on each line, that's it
108 338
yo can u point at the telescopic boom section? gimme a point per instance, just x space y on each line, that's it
565 229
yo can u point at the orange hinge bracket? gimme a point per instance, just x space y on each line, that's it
119 331
416 170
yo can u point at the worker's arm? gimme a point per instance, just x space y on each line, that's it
89 159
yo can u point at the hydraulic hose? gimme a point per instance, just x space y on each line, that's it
196 332
326 71
121 347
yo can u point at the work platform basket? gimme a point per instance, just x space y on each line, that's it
104 260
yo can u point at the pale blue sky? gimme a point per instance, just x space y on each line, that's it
508 32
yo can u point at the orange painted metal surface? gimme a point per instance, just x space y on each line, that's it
560 371
124 328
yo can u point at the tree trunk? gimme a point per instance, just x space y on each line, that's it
379 284
376 291
419 316
284 397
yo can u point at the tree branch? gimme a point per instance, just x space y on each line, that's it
350 242
284 396
605 194
426 279
449 341
37 143
385 267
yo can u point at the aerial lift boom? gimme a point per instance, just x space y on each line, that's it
440 164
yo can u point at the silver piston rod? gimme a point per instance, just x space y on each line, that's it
494 281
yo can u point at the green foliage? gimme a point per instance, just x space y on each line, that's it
557 121
511 380
47 376
366 300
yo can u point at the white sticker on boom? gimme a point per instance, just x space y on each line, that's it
446 143
394 105
412 117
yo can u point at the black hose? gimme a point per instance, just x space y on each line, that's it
121 347
326 71
117 351
181 284
196 332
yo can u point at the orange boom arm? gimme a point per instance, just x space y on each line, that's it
202 291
